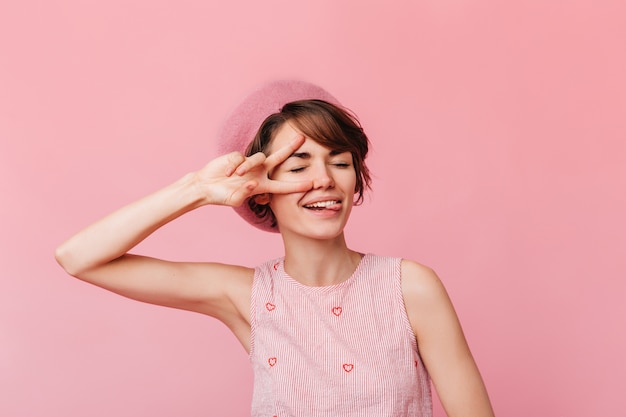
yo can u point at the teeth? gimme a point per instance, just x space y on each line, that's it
321 204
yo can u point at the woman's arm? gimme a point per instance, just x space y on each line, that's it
442 345
99 253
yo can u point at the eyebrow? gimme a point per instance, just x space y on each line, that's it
307 155
301 155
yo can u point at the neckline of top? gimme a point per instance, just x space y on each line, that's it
322 288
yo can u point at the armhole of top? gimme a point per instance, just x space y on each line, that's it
402 303
253 309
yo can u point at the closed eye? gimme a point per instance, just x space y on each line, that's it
298 169
342 164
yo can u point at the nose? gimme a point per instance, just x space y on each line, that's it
323 179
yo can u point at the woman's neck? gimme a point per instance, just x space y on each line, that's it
316 263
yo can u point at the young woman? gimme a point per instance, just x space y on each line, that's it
330 331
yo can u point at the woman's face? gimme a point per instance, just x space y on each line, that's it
322 211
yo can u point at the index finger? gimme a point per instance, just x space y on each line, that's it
285 152
287 187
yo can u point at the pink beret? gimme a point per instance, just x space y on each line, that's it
241 126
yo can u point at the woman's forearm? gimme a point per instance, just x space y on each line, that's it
117 233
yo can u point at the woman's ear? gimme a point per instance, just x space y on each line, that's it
262 199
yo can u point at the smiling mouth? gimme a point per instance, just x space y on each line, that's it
320 205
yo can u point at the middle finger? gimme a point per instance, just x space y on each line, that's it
285 152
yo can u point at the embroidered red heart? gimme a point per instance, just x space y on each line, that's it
271 361
276 266
337 311
270 306
348 367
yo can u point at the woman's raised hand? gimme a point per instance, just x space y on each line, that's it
230 179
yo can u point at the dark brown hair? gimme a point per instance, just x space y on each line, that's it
327 124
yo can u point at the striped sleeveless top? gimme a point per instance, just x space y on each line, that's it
344 350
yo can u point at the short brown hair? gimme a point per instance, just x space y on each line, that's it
329 125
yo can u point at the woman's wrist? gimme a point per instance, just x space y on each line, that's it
193 193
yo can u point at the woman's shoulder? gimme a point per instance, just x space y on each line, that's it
269 265
410 270
417 270
420 283
425 297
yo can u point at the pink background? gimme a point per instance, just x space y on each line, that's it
499 153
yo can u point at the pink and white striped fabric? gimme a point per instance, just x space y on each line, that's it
344 350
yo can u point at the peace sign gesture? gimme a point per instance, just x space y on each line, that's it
230 179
